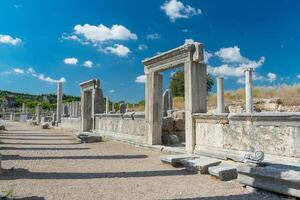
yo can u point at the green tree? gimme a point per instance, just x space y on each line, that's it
176 83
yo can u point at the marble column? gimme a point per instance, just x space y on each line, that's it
59 102
220 95
107 105
38 114
167 101
248 90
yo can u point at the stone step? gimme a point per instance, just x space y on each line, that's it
89 138
200 164
174 160
282 179
224 172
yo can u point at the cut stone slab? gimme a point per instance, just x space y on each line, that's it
2 127
45 125
282 179
200 164
84 138
175 160
223 172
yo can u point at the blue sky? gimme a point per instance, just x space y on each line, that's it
73 41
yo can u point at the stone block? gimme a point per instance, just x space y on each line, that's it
85 138
170 139
200 165
282 179
168 124
223 172
175 160
45 125
2 127
179 124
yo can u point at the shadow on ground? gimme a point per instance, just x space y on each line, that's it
26 174
17 157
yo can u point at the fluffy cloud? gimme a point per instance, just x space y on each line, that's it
7 39
142 47
103 33
18 71
271 77
176 9
111 91
153 36
71 61
117 49
88 64
233 63
31 72
140 79
230 54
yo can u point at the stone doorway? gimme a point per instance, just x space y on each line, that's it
190 56
92 103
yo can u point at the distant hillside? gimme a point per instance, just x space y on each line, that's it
47 101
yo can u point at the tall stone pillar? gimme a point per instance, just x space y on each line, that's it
113 107
220 95
59 102
38 114
153 107
195 98
248 90
167 101
23 107
107 105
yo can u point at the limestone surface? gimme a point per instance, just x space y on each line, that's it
200 165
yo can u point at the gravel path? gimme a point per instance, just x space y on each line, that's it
50 164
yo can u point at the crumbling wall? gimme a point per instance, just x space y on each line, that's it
70 123
130 127
274 133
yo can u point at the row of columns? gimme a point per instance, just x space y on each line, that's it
71 109
248 92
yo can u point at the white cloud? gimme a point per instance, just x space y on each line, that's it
88 64
185 30
7 39
103 33
153 36
140 79
142 47
176 9
233 63
207 56
71 61
271 77
117 49
226 70
18 71
230 54
42 77
70 37
111 91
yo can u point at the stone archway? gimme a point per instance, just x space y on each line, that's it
191 57
91 103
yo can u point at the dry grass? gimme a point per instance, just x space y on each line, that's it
289 95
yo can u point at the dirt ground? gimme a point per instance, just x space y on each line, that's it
50 164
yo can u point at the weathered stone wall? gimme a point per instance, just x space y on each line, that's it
127 126
274 133
70 123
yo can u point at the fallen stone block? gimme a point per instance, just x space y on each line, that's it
89 138
45 125
200 165
282 179
2 127
174 160
170 139
223 172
